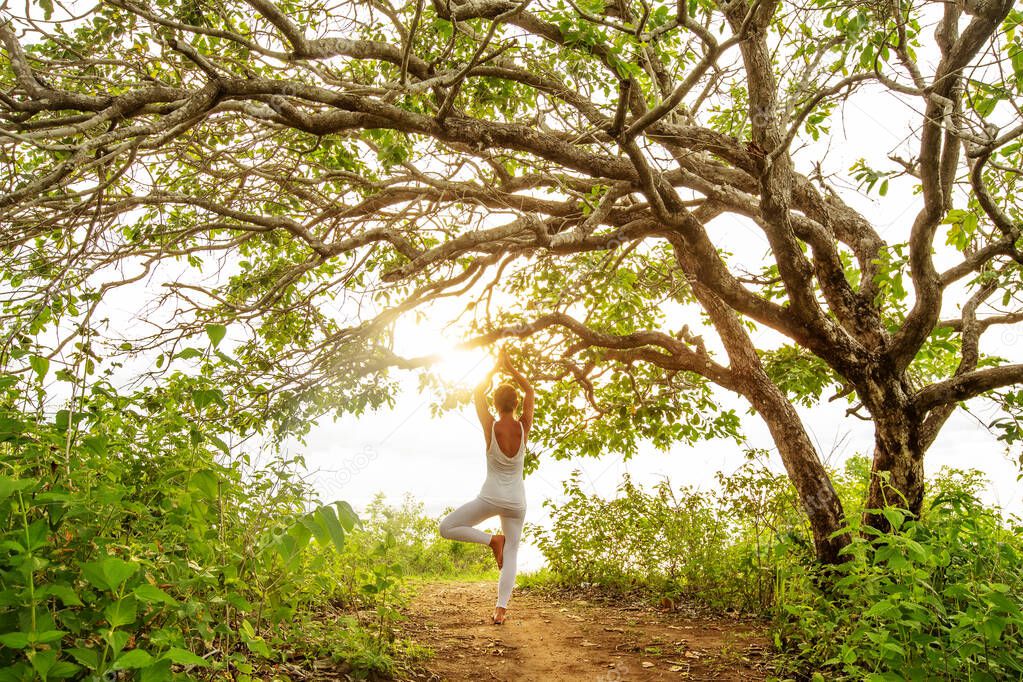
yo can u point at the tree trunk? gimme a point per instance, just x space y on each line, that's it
897 473
747 378
813 485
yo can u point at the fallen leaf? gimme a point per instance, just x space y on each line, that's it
647 664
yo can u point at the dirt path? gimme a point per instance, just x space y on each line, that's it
545 640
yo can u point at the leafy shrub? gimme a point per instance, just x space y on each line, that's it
405 537
669 543
127 545
939 598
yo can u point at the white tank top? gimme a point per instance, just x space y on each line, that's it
504 486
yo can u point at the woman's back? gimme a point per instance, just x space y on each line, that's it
504 486
509 436
503 493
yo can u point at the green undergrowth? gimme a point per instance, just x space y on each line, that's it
135 544
713 547
938 598
405 537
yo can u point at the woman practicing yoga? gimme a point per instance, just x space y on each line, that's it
503 493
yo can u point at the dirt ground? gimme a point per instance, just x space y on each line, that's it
548 638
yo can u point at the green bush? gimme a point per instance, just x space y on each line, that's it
131 541
939 598
405 537
668 543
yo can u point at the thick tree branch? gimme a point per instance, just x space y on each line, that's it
968 386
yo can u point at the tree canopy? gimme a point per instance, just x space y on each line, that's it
310 172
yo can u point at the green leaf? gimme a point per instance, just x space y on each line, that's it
258 646
894 516
205 483
328 517
151 594
109 573
47 636
121 612
62 592
87 657
131 660
15 640
346 514
62 670
159 671
41 366
205 397
247 628
96 445
255 644
9 486
239 602
117 639
42 661
291 543
189 353
325 526
219 442
184 657
216 332
10 429
228 359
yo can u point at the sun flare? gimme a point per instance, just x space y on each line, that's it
467 367
460 366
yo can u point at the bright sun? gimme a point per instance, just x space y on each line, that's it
459 366
467 367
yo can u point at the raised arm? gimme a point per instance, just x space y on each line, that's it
479 398
529 396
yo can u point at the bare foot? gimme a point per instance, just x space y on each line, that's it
497 544
499 615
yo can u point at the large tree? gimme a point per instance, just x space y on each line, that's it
570 171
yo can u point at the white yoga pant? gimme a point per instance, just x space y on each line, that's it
458 525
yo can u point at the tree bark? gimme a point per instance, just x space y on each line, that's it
896 478
897 473
748 378
813 484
